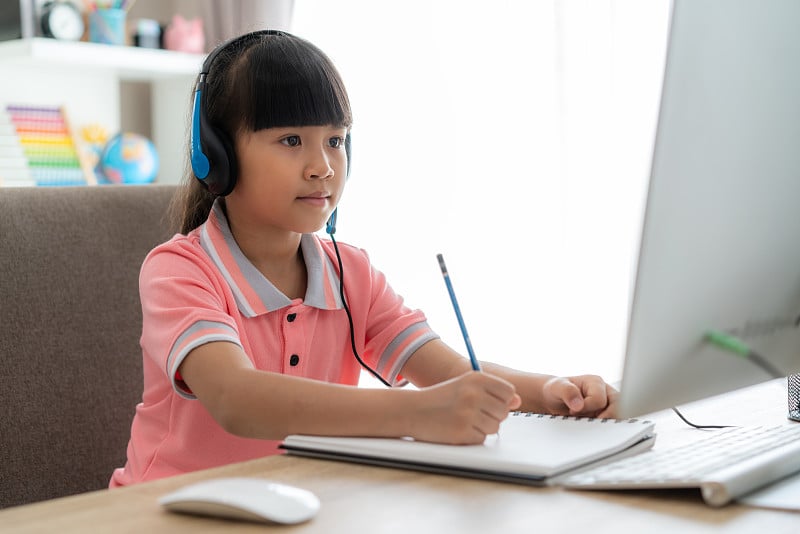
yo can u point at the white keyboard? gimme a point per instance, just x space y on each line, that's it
724 465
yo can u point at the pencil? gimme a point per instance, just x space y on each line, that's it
475 365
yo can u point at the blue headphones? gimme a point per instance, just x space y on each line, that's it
212 155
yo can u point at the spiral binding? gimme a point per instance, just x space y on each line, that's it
583 418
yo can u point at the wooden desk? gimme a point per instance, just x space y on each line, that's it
357 498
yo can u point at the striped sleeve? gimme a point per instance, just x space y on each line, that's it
394 357
197 334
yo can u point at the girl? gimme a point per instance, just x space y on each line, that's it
250 332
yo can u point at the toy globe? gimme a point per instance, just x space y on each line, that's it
129 158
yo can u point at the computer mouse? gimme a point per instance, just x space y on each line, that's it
248 499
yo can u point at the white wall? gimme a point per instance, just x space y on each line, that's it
84 100
513 137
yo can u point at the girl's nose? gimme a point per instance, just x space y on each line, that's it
319 168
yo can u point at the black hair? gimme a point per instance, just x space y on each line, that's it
266 81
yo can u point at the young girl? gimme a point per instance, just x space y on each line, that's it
256 328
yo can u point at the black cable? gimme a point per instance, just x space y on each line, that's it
350 317
674 409
731 344
762 362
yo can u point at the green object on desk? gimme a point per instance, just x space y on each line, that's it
728 342
735 345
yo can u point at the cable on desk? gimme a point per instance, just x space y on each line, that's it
674 409
735 345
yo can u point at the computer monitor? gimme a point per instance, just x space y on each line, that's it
720 243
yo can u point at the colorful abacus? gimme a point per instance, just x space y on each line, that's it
14 169
47 145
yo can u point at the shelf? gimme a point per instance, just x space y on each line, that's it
126 62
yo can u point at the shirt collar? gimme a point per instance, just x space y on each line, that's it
254 293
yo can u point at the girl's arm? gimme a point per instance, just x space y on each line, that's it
585 395
259 404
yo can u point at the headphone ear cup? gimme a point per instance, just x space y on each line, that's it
223 169
348 152
229 173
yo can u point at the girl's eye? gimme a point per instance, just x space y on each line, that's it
336 142
292 140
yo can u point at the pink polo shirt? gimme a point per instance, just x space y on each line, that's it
200 288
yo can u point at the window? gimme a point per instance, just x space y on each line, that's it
514 138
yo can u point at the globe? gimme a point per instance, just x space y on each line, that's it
129 158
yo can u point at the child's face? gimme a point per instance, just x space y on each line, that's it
290 178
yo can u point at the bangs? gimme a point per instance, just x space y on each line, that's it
290 83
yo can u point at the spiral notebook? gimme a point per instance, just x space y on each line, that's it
529 448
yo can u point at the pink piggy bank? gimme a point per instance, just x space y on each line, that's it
185 35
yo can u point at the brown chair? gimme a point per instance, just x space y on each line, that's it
70 322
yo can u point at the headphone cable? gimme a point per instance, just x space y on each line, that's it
350 317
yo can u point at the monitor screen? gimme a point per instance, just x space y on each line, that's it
720 243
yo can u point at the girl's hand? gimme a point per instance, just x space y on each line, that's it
585 395
463 410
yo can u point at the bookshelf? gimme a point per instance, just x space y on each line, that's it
125 62
90 81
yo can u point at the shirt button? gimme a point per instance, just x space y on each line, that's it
291 317
294 360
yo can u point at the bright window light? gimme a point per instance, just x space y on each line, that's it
514 138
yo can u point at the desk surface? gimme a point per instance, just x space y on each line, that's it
359 498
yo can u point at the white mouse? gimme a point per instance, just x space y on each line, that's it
250 499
